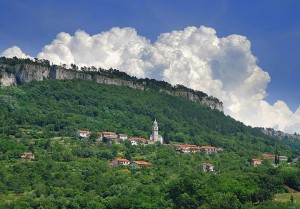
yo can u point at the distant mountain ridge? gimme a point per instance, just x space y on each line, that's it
275 133
14 71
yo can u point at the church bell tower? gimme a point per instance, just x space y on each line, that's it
155 137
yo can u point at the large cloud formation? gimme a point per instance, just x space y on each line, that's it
195 57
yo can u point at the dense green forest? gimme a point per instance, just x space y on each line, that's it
43 117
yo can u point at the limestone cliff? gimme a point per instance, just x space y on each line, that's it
24 73
211 102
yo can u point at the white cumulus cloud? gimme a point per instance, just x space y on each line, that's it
195 57
14 52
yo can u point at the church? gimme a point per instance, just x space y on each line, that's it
155 137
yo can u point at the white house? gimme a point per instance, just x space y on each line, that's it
122 136
209 149
83 133
207 167
283 158
186 148
137 140
134 143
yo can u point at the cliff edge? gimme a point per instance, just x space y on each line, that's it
16 71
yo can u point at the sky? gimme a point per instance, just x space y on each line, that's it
246 53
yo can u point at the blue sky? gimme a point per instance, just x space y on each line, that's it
272 27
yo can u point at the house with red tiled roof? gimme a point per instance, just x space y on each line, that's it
83 133
108 134
27 156
256 161
139 164
186 148
210 149
268 156
137 140
119 161
207 167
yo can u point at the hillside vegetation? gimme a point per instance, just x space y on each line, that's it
43 117
59 108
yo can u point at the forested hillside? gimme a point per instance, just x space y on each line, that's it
59 108
43 117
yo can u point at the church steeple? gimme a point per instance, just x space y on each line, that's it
155 131
155 137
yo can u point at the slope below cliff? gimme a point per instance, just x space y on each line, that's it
21 71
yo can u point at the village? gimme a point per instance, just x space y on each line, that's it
113 137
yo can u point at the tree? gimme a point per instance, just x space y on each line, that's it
276 157
105 140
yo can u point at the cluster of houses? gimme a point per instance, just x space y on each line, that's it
112 136
258 161
154 137
190 148
207 167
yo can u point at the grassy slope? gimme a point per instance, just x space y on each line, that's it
286 197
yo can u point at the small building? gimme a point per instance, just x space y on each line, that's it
295 160
283 158
207 167
210 149
137 140
122 137
83 133
134 143
27 156
186 148
139 164
119 161
256 161
108 135
268 156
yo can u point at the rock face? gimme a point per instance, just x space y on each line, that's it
206 101
26 73
8 79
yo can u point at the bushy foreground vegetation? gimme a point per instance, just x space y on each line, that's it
69 173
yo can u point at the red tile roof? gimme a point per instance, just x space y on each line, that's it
83 131
256 159
268 156
122 159
107 132
140 163
136 139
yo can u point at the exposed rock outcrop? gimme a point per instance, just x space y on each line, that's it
207 101
23 74
8 79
